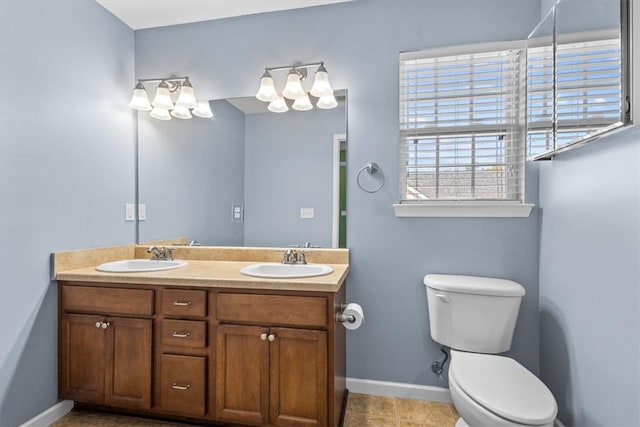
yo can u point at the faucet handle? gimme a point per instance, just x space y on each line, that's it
168 254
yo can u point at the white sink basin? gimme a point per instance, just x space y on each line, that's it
139 265
285 271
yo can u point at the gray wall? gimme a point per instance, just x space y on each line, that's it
589 277
359 42
277 187
67 162
190 173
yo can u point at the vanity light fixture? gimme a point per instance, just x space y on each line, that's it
321 90
163 107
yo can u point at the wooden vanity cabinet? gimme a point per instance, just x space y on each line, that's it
237 356
104 357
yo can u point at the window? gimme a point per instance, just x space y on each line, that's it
462 127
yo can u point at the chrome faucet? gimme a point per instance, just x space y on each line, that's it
160 253
290 256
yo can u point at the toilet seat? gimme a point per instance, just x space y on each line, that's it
504 387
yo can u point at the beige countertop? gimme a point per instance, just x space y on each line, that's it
208 273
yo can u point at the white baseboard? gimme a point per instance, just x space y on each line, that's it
402 390
51 415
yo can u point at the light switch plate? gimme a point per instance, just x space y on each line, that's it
129 212
142 212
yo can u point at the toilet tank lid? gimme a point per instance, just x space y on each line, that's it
474 285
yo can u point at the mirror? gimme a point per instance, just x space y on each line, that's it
246 177
577 74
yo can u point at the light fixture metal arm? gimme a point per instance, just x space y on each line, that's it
288 67
170 79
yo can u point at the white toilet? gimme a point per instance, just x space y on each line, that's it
476 317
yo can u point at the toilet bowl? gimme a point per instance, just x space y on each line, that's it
475 317
496 391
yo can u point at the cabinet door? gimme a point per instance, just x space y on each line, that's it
242 374
82 358
128 365
298 360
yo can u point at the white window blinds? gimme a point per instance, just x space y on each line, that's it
587 94
462 126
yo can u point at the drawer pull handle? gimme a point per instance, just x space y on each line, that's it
181 334
182 303
180 387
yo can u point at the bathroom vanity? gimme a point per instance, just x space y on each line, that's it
204 342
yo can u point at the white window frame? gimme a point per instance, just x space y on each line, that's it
463 208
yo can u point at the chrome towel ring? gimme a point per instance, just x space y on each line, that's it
371 168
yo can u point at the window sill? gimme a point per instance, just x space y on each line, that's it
464 209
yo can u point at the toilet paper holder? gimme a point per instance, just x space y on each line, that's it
341 317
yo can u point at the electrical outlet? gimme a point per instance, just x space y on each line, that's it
237 213
307 213
129 212
142 212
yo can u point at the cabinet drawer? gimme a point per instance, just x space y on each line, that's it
182 382
107 300
184 302
274 309
184 333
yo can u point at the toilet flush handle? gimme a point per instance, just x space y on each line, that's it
443 297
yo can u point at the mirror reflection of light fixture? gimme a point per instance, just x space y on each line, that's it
181 112
160 113
302 104
203 109
163 107
278 106
294 89
327 102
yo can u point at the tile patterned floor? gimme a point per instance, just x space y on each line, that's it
362 411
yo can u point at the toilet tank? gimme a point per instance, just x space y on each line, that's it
469 313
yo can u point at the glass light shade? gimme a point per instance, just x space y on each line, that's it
140 99
187 97
293 89
327 102
302 104
202 110
267 91
321 86
163 97
278 106
181 112
160 114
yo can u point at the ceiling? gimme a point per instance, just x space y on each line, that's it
139 14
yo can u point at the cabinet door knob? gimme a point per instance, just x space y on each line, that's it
105 325
263 336
98 324
272 337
